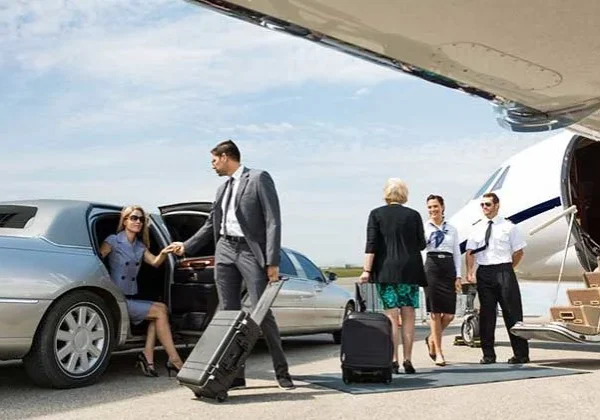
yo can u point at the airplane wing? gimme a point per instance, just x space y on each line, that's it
537 61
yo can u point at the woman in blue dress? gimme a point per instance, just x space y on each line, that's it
126 250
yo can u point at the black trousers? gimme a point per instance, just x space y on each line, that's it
497 284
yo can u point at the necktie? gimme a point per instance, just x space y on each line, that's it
229 189
437 237
488 233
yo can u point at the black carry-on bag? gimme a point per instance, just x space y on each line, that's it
224 347
367 349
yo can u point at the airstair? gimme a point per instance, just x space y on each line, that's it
579 322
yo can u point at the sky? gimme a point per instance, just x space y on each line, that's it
121 102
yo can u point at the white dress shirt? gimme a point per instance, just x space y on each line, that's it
449 244
233 226
505 240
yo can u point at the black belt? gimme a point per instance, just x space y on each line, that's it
501 265
438 254
234 238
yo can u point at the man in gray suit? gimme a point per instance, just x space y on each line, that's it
245 223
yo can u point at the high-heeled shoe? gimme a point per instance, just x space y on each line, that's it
439 360
171 367
146 367
408 367
431 355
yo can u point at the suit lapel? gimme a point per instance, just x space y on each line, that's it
243 182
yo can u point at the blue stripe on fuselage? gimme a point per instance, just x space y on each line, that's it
525 214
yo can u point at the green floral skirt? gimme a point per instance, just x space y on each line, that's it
398 295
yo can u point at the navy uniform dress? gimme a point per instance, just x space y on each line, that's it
125 260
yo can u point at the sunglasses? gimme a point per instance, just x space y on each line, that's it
486 204
135 218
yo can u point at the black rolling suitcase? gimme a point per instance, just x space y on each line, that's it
367 349
224 347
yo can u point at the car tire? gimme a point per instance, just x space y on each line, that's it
337 335
73 343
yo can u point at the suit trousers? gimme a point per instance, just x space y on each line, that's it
497 284
236 262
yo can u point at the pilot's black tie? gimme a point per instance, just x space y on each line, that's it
488 233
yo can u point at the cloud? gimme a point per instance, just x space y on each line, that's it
361 92
120 102
84 39
328 176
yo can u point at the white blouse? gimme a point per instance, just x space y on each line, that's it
449 241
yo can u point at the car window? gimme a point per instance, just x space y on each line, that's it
501 179
486 185
312 271
16 217
286 266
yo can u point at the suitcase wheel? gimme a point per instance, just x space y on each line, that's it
221 397
347 376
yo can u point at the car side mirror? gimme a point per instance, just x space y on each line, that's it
332 276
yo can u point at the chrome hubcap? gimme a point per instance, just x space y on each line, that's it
80 340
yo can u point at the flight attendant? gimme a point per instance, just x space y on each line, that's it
443 269
497 247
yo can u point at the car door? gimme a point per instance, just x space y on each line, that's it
193 294
294 303
328 307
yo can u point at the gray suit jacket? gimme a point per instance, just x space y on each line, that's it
257 210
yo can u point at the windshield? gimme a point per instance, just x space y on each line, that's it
486 185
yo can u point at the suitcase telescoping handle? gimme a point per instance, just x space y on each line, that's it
266 300
363 298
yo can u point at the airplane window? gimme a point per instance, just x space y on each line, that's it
500 181
485 186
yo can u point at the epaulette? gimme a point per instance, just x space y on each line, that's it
476 222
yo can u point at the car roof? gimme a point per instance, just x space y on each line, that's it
59 221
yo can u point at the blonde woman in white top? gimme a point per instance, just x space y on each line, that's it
442 268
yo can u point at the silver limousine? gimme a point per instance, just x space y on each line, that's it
61 314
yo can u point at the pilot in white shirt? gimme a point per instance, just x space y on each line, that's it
497 247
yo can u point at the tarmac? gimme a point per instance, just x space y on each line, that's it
123 393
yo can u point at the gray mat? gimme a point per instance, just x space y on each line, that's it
451 375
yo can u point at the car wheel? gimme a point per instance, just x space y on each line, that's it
337 335
73 343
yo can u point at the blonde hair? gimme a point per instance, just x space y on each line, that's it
395 191
144 234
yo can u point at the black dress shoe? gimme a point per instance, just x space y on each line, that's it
238 383
487 360
395 368
285 381
518 360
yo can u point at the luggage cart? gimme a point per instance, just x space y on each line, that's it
469 330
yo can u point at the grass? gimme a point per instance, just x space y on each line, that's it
345 272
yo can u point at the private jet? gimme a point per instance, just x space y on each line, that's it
548 190
536 62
